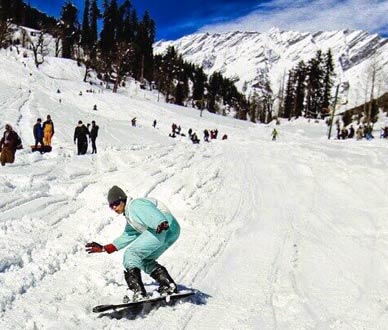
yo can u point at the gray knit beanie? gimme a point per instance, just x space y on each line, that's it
116 193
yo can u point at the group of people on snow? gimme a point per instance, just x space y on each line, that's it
176 130
43 133
11 141
363 131
81 134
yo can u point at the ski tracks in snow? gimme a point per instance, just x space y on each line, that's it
52 235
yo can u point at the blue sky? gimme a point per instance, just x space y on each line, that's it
176 18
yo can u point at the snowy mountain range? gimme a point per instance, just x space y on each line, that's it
249 56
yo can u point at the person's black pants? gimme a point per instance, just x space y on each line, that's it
94 148
82 147
40 141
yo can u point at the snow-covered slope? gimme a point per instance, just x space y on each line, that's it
250 56
280 235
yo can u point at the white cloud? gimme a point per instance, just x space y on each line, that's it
311 16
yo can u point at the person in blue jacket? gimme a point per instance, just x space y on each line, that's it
150 230
38 133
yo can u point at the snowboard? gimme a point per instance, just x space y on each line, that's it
167 299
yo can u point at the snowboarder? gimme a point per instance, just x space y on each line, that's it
9 143
81 136
93 136
38 133
48 131
150 230
133 121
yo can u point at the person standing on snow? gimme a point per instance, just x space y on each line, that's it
38 133
150 230
81 136
93 136
48 131
9 143
274 134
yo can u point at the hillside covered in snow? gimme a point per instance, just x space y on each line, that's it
252 56
287 234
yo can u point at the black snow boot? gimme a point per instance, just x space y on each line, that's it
135 284
166 283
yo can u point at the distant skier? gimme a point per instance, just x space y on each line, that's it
274 134
48 131
154 123
93 136
150 230
81 136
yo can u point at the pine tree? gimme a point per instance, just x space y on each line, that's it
314 99
124 12
300 89
144 40
68 28
253 107
214 88
289 100
95 14
6 10
86 32
199 81
131 25
328 79
180 94
108 32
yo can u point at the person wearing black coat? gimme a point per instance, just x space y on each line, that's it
93 136
81 136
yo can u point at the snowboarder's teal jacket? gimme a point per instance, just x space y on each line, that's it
143 216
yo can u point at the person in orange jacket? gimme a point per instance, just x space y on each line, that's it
48 131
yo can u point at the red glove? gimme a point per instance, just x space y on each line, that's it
163 226
94 247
